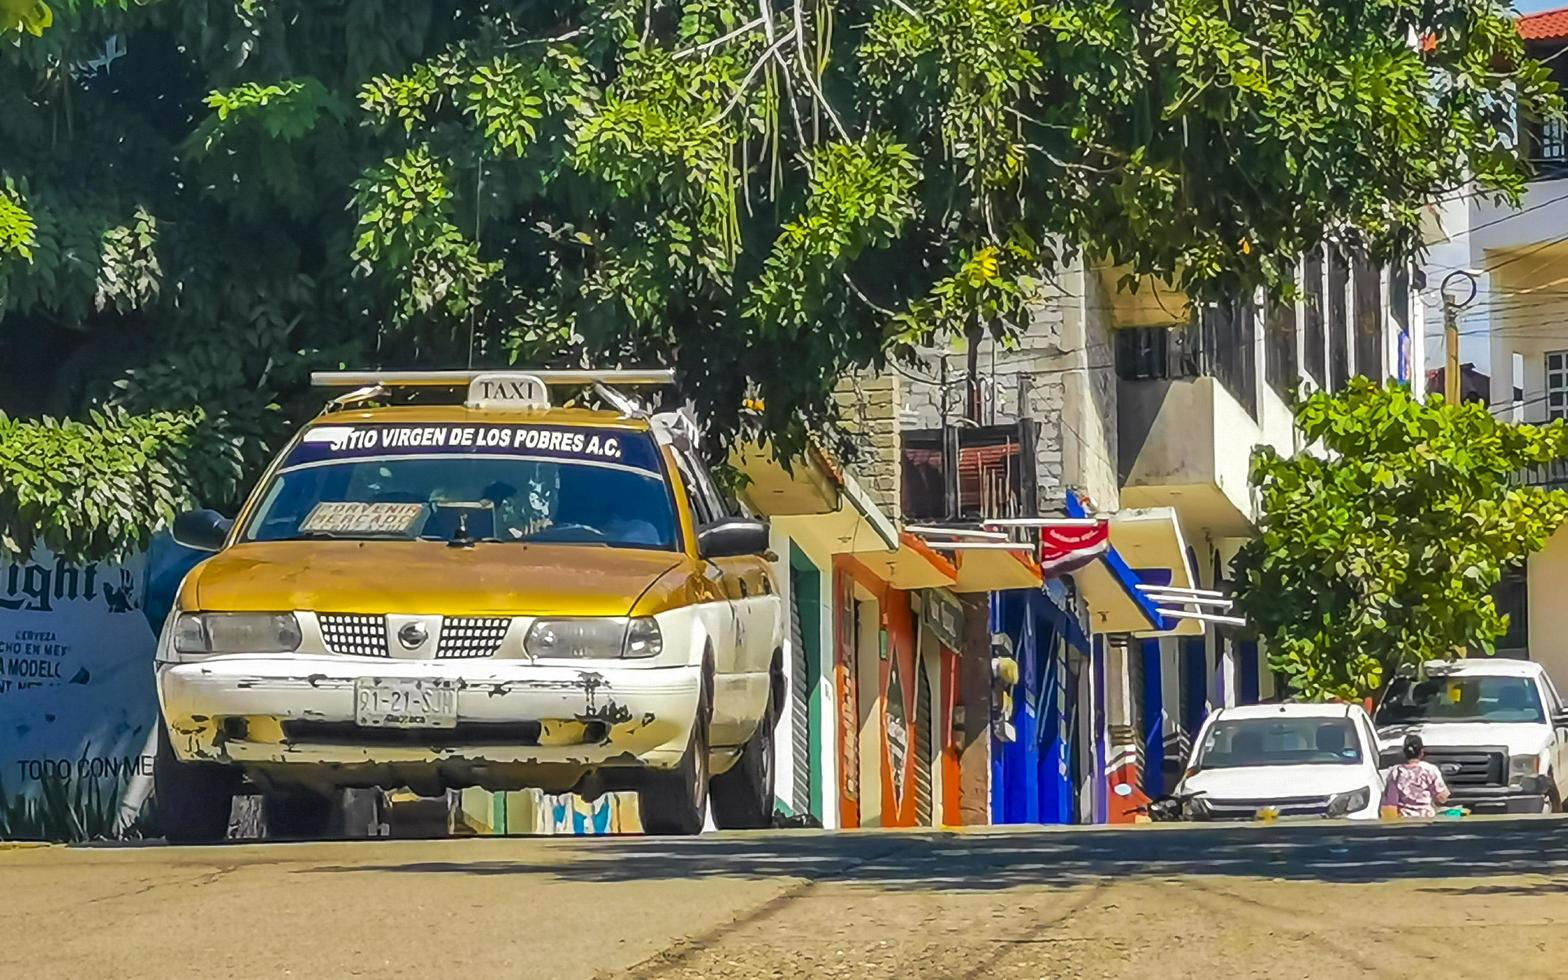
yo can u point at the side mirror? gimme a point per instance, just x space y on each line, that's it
202 530
732 537
1389 758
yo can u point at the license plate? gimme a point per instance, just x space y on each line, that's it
405 704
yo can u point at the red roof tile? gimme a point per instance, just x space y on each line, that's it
1548 25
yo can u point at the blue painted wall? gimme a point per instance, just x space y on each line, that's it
1031 777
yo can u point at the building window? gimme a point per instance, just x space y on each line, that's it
1557 384
1549 147
1228 336
1143 353
1279 348
1338 320
1313 334
1512 597
1367 289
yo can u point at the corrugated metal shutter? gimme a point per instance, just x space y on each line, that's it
923 725
799 704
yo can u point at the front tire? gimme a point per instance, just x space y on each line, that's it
743 794
194 799
676 802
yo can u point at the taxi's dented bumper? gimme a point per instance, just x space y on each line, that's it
293 717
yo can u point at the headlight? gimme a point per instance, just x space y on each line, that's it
1522 766
236 633
594 639
1344 804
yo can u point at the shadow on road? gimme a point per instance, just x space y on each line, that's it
961 862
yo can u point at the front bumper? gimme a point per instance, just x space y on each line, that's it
293 716
1531 797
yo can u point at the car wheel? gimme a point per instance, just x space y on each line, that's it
743 794
1549 802
193 800
297 814
676 801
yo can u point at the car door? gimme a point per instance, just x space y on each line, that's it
742 685
1554 717
1372 754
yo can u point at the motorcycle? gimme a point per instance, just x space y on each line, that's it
1171 808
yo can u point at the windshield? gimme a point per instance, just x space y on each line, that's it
559 486
1279 742
1472 698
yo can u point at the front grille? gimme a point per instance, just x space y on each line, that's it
1310 806
350 635
471 636
1470 767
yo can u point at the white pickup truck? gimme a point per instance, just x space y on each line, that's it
1495 728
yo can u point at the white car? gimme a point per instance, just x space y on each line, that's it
1291 760
1496 729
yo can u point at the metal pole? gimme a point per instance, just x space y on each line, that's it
1451 332
1450 351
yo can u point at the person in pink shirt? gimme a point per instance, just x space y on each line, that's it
1415 788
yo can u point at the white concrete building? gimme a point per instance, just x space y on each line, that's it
1514 333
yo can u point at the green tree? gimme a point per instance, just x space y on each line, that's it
204 199
1381 546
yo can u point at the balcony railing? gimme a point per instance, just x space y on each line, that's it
1217 345
1553 474
970 474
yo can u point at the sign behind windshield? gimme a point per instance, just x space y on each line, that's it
356 517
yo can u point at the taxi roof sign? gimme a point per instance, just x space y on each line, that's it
509 389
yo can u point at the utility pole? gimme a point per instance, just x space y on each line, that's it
1451 310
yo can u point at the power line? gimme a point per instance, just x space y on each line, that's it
1497 221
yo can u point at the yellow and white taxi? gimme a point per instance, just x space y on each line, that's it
445 581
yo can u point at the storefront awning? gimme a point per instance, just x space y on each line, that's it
815 502
1147 548
913 566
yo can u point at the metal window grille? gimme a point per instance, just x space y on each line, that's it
1552 140
1557 384
799 704
923 744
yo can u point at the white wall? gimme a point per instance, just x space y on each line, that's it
1548 583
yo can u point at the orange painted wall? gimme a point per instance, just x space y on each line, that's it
848 704
897 754
947 738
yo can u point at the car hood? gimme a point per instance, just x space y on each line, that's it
1275 782
1520 738
377 577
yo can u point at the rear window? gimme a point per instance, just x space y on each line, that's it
500 483
1279 742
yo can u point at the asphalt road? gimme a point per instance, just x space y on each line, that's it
1477 898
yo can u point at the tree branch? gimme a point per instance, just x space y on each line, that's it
864 298
708 46
751 74
811 77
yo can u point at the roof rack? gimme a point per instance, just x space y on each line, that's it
449 379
